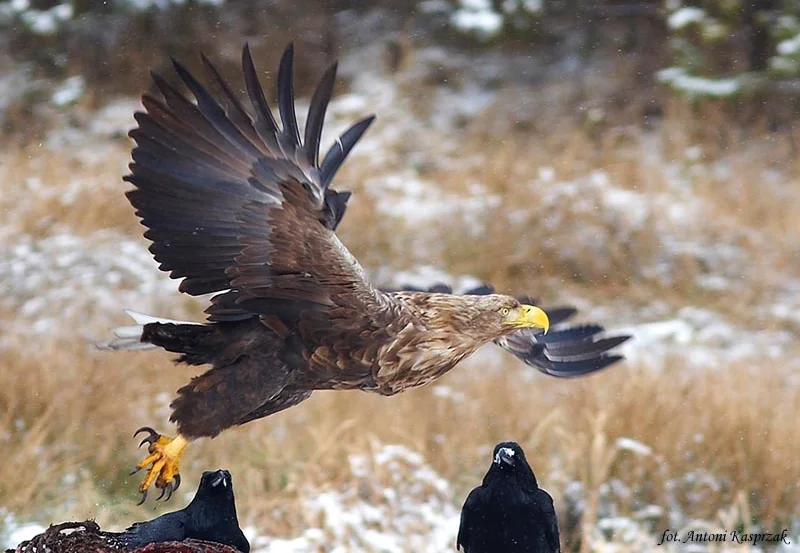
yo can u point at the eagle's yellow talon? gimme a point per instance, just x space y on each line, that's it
163 459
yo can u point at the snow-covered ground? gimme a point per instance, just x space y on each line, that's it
401 504
54 281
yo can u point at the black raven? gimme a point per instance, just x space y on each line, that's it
508 513
210 516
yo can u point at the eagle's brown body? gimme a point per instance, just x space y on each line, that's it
267 364
240 206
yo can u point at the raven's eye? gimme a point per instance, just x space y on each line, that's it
505 311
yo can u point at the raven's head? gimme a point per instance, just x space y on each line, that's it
217 478
216 481
509 461
214 497
507 454
216 487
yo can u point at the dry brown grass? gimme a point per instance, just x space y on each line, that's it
67 411
68 428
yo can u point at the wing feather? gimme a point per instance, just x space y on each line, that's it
339 151
264 122
187 119
233 107
290 136
236 205
214 114
316 113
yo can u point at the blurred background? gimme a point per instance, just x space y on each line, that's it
636 159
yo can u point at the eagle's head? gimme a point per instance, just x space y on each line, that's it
489 317
446 328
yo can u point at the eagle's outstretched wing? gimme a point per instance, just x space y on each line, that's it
235 204
565 351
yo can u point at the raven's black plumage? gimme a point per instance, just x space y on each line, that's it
508 513
210 516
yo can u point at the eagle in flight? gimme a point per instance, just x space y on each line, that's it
241 206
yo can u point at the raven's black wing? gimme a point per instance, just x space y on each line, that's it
546 514
168 527
468 519
565 351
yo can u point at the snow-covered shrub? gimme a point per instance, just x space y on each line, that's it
699 39
485 19
786 61
723 48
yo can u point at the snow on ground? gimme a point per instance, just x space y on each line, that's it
93 140
369 514
13 532
399 504
55 281
395 502
426 276
69 91
704 339
405 196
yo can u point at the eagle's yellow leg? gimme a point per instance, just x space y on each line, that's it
163 459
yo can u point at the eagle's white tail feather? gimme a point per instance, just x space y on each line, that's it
142 319
129 338
134 331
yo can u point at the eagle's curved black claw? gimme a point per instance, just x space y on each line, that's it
144 498
152 435
147 429
134 471
171 487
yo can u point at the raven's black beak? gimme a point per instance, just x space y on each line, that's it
505 455
221 477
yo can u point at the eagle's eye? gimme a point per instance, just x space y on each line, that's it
505 311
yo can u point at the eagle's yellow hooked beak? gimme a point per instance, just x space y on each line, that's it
528 316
